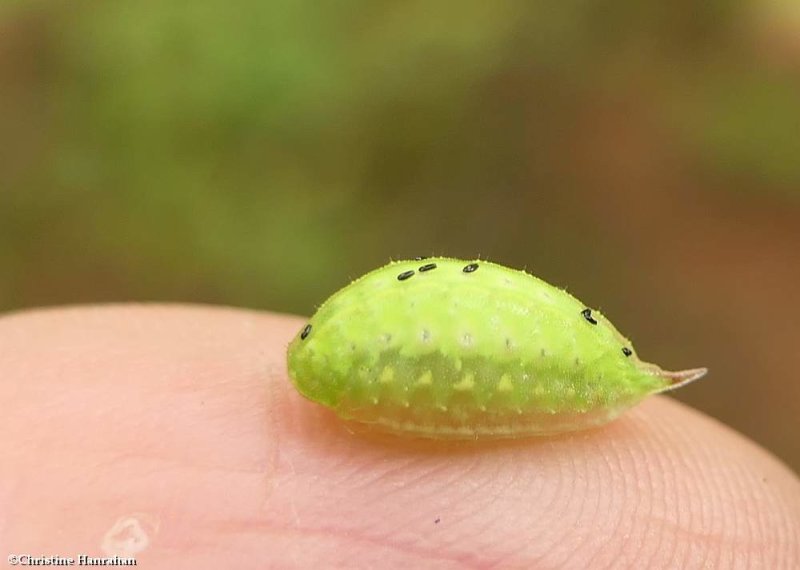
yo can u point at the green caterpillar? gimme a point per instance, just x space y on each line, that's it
445 348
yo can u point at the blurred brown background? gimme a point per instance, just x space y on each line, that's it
261 154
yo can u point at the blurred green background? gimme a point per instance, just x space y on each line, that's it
262 154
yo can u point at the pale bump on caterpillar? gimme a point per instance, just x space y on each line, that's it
447 348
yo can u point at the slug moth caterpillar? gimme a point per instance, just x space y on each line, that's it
445 348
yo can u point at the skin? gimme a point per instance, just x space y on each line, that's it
175 431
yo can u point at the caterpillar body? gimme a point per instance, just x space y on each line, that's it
447 348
